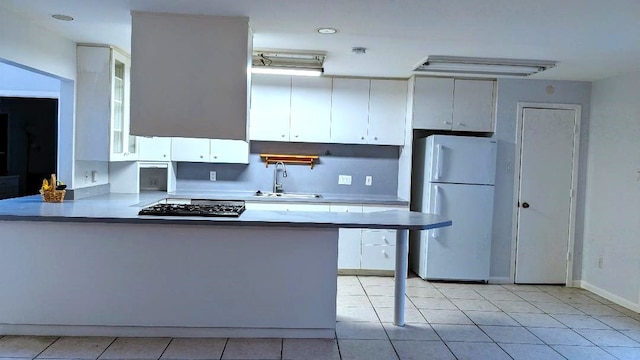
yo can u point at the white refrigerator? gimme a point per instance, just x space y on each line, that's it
454 176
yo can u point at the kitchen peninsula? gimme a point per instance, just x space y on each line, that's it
95 267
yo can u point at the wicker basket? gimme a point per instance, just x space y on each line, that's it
53 196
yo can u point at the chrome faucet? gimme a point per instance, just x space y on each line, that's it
277 188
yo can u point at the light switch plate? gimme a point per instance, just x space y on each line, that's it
212 176
344 179
368 180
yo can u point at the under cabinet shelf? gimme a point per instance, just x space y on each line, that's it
289 159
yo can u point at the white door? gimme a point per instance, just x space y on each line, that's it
544 195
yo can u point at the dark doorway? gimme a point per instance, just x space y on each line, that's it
4 139
31 140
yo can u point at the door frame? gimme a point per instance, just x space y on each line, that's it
574 182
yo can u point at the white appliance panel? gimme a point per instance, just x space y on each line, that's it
461 251
460 159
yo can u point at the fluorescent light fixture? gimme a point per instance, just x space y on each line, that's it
282 71
304 63
483 66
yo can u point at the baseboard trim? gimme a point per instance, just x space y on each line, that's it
609 296
500 280
160 331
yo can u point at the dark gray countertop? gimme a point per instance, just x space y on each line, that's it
123 208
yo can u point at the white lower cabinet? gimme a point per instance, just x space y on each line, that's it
378 257
349 240
358 249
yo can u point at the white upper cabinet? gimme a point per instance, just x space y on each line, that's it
310 109
270 107
209 151
453 104
387 112
154 148
473 105
328 110
229 151
102 105
433 103
367 111
349 111
190 149
189 75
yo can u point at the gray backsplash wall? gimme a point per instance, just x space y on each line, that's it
380 162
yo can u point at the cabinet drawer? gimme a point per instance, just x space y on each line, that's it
378 257
378 237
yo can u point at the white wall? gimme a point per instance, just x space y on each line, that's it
612 216
34 48
510 92
15 81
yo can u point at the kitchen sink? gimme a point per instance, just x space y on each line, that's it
288 195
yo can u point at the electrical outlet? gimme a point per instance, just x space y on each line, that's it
508 167
86 177
212 176
94 176
344 179
368 180
600 262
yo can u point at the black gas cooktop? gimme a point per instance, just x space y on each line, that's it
209 208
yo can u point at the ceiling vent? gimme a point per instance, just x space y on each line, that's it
283 62
483 66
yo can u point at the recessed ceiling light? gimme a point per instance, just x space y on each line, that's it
327 30
62 17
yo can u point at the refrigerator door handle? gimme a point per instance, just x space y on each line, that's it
439 161
437 209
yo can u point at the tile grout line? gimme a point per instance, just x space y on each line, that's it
165 348
108 346
48 346
224 348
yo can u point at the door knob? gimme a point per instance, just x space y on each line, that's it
525 205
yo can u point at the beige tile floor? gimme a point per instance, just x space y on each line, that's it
444 321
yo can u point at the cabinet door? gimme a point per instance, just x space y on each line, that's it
189 149
387 112
433 103
123 145
154 148
229 151
310 109
349 240
349 111
93 104
473 105
378 257
270 107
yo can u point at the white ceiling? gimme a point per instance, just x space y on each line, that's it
591 39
